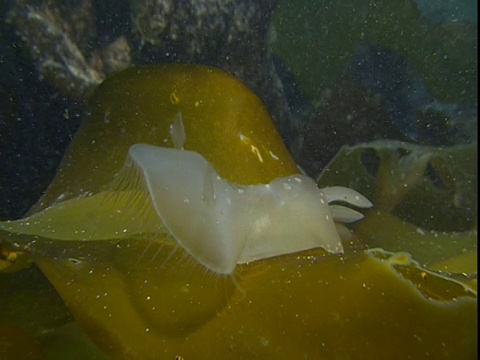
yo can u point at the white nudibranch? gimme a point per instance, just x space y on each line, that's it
222 224
218 223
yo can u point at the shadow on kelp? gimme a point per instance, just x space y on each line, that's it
126 278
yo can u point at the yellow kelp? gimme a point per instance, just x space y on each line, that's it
233 130
139 296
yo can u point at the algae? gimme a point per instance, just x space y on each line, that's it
138 296
425 199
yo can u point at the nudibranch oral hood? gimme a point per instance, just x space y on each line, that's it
203 164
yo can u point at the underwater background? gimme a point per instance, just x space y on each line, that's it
378 96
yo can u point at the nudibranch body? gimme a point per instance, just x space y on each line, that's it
221 224
228 192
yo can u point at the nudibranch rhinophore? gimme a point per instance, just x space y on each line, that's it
219 219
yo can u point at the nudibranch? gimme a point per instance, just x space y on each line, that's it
198 158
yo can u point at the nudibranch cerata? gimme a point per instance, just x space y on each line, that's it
201 163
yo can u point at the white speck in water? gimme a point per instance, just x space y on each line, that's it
420 231
264 342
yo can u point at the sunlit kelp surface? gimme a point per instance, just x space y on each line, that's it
308 304
141 296
125 112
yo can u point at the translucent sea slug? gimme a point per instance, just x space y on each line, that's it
221 224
